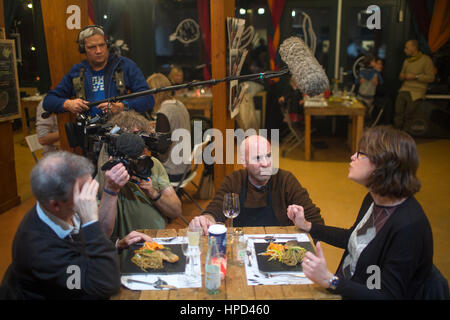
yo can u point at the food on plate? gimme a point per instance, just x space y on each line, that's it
151 256
290 253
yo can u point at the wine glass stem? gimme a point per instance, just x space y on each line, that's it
231 226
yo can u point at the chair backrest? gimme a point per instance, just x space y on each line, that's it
33 144
436 286
196 154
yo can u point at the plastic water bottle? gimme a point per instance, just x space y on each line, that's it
212 267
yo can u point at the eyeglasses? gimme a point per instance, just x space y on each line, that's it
358 153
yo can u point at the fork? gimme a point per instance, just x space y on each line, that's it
168 239
271 275
249 254
158 284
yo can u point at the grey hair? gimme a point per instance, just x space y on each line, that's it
89 32
54 177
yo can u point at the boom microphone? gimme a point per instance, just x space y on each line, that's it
308 74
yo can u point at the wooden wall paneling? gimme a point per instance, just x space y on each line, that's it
62 49
221 120
8 181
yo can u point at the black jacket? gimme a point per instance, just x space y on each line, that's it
403 250
45 266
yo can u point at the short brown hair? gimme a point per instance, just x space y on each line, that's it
131 120
158 80
394 154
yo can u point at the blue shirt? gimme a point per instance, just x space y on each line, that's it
98 89
60 227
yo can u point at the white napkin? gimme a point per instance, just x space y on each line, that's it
179 280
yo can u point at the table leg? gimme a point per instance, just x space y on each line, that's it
358 130
24 121
307 137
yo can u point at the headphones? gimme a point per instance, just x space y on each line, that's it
80 43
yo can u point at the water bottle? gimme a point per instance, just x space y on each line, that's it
212 267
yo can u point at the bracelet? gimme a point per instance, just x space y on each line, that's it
157 197
112 193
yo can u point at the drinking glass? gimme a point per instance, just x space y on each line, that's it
189 263
231 208
195 243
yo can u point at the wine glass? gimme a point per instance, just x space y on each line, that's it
231 208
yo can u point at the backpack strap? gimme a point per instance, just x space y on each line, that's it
78 85
119 79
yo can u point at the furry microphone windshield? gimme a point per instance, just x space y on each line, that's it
308 74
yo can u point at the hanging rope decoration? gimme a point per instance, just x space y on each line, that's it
186 32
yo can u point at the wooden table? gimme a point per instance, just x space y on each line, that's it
355 111
234 286
202 103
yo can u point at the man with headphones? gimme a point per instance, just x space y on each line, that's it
102 75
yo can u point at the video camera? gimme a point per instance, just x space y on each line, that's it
90 133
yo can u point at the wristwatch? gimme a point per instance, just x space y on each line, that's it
334 282
157 197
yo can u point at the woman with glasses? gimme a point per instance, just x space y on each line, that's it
389 249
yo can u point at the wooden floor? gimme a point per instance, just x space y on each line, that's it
325 177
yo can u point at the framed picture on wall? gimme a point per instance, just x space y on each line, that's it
9 82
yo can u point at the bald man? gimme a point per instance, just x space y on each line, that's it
417 72
265 195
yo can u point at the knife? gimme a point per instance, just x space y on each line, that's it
158 286
269 238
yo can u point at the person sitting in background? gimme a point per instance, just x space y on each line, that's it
292 102
60 250
141 204
176 75
264 195
47 130
391 234
178 118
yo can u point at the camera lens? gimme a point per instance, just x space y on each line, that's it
142 167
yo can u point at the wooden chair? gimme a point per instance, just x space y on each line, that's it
33 145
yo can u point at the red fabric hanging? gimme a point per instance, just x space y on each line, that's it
91 13
276 8
203 17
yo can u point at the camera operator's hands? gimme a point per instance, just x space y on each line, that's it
116 178
85 200
75 105
113 107
147 187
